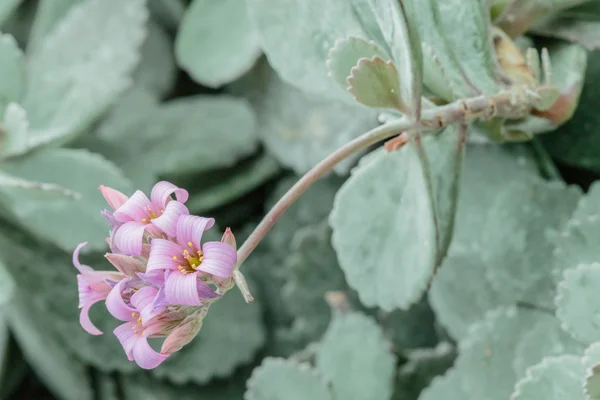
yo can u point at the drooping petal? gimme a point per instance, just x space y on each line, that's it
93 286
134 209
190 229
86 323
145 356
127 338
116 305
128 238
81 267
167 222
155 278
187 290
128 265
114 198
219 259
143 301
164 254
162 191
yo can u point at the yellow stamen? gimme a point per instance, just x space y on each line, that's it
135 331
144 220
133 315
143 333
190 244
174 258
139 320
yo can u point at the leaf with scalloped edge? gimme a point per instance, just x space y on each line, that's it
216 42
47 15
578 304
97 41
554 378
591 363
14 133
231 335
393 194
576 245
486 356
355 358
12 69
447 387
589 204
345 53
156 70
374 82
281 379
521 263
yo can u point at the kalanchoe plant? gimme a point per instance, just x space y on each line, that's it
166 279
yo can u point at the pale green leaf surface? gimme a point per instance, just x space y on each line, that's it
569 63
354 356
521 263
281 379
345 53
47 15
15 130
374 82
157 70
591 362
12 70
589 205
382 272
216 42
447 387
231 335
7 8
576 245
77 170
577 302
554 378
85 62
296 35
168 12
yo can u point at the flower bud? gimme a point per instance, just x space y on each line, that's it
184 333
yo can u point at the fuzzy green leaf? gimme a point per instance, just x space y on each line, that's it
15 130
591 362
301 129
157 70
168 12
521 263
577 302
232 333
354 356
216 42
447 387
296 35
47 15
576 245
554 378
85 62
7 8
77 170
366 242
280 379
374 82
345 53
12 69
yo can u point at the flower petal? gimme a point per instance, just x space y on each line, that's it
86 323
81 267
187 290
162 191
162 252
219 259
145 356
93 286
154 278
190 229
229 238
184 332
143 301
114 198
127 338
128 265
128 238
116 305
134 209
110 218
167 222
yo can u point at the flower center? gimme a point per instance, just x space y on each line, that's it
151 214
192 260
137 327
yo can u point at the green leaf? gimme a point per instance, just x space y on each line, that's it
244 178
487 354
312 271
521 263
216 42
555 378
447 387
591 362
296 35
15 130
577 304
47 15
366 242
65 377
301 129
7 290
579 25
12 68
410 329
374 83
168 12
345 53
281 379
467 28
7 8
77 170
576 245
231 335
589 205
354 357
97 41
157 70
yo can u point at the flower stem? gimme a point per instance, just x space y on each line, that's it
506 104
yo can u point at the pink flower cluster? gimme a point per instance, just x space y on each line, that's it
166 277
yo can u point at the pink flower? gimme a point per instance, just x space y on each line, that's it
93 287
138 214
191 263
